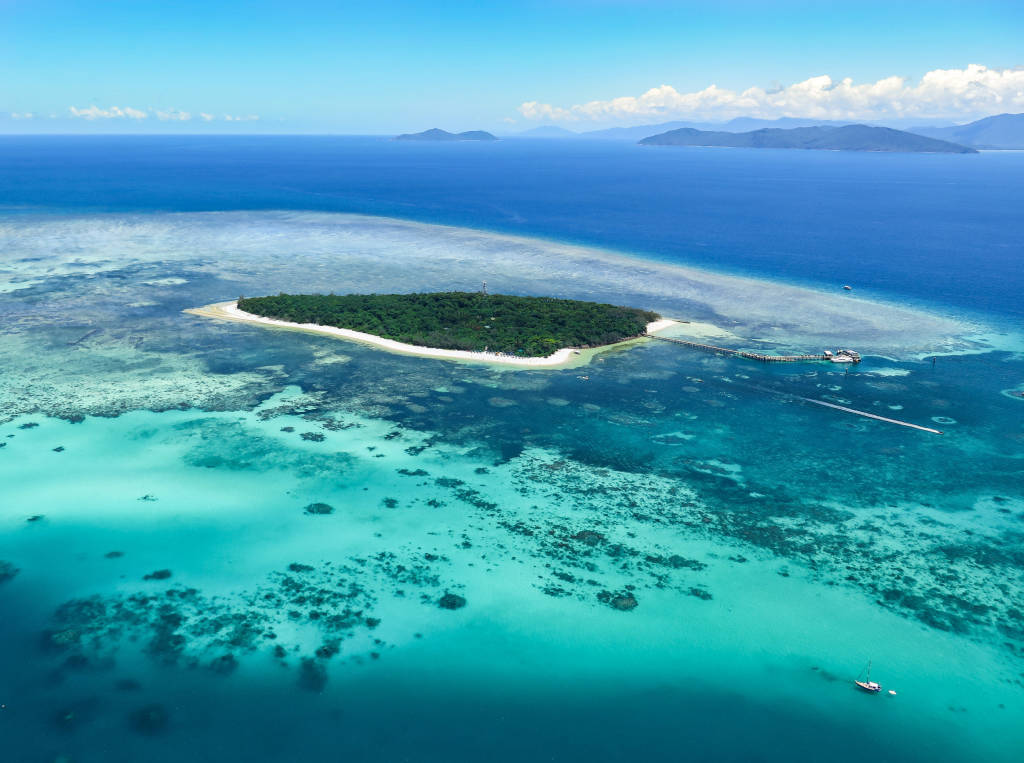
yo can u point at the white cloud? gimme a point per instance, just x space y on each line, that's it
173 115
114 112
971 92
535 110
22 115
94 112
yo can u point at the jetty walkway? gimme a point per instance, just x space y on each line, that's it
741 354
796 359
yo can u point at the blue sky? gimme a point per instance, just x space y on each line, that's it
397 65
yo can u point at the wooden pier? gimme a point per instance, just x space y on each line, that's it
739 353
795 359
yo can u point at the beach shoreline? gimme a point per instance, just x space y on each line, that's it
562 358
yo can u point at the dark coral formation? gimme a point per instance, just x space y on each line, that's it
224 665
319 508
451 601
149 720
312 675
180 626
623 602
7 571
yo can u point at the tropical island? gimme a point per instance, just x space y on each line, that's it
822 137
532 327
437 134
528 331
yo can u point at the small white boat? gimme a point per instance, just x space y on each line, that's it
844 356
848 288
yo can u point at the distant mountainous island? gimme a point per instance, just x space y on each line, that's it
1001 131
821 137
437 134
739 124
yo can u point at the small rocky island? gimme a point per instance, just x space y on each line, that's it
437 134
527 327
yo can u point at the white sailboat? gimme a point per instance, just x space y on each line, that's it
871 687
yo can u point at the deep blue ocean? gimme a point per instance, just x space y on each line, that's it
223 542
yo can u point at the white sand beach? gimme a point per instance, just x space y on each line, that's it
660 325
558 359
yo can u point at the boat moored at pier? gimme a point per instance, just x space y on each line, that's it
843 356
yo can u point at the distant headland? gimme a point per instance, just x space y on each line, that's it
822 137
1003 131
476 326
436 134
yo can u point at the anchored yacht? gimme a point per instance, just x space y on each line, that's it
871 687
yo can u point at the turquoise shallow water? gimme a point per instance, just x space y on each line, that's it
217 499
661 555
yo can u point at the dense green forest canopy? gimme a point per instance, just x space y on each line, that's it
456 320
